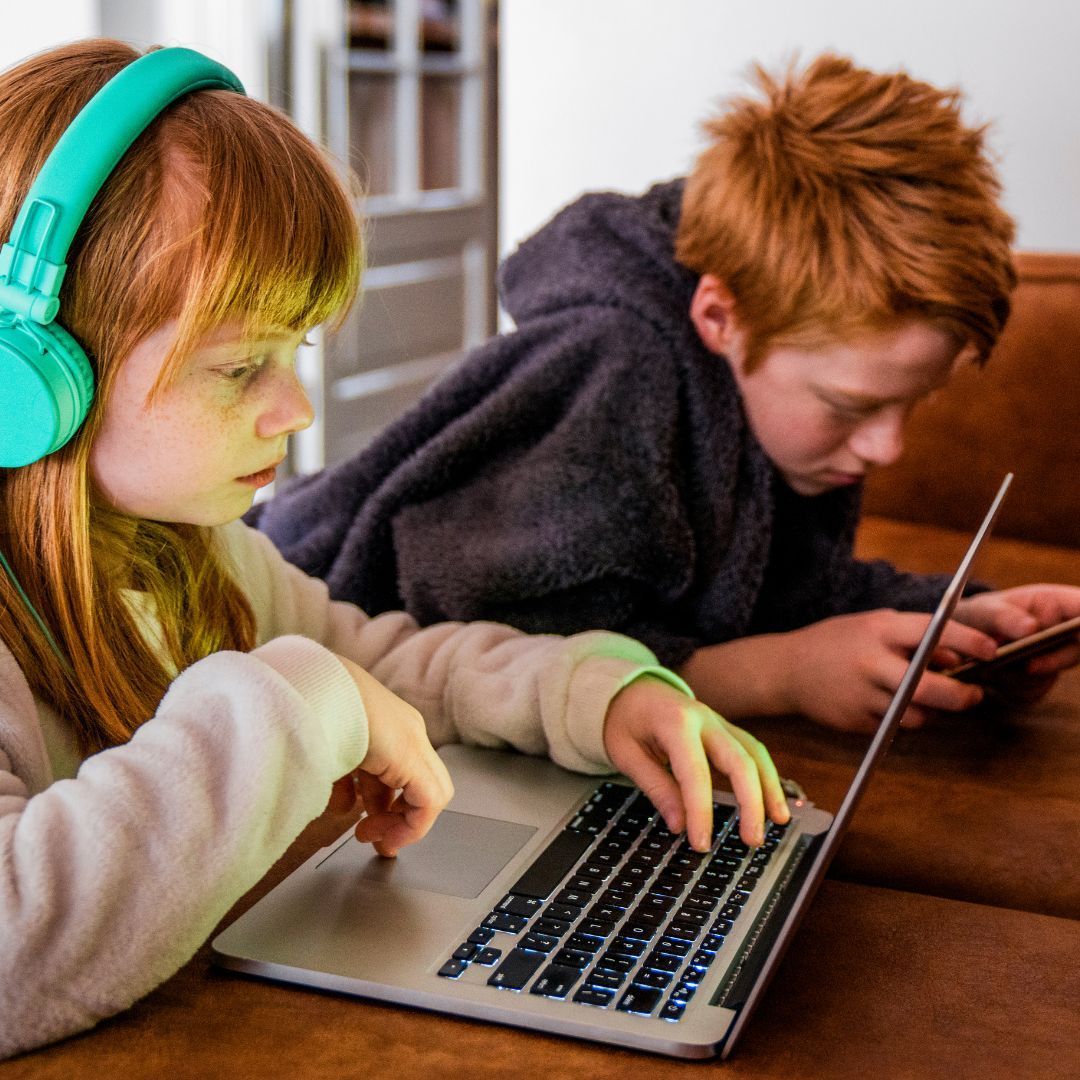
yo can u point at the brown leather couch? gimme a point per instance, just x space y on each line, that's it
984 807
1021 412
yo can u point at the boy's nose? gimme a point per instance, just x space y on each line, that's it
880 440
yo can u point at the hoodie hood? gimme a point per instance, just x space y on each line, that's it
605 249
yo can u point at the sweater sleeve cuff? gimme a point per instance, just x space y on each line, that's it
665 675
590 738
597 678
322 681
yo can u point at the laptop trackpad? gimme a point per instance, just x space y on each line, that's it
459 857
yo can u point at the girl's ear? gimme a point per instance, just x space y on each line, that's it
712 311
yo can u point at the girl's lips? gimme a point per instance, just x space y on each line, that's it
259 479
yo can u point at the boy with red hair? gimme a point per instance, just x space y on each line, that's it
672 441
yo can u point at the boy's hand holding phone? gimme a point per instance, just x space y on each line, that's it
841 672
844 671
1024 669
672 747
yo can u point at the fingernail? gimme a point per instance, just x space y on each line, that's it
672 820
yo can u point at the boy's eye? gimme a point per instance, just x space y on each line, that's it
851 412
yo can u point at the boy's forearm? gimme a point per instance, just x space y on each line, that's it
745 677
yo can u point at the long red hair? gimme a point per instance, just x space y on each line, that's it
221 210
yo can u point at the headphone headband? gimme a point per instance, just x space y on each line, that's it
46 381
32 261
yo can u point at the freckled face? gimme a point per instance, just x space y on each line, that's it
826 416
210 439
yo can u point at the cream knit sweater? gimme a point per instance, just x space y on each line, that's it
109 881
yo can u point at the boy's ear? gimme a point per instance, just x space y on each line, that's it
712 311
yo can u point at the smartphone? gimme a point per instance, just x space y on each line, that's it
1015 651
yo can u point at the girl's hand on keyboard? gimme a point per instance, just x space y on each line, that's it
400 759
673 747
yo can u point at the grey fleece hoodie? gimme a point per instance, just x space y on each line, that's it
592 468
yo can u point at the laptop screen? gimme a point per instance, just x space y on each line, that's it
875 751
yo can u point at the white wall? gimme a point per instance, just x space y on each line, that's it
609 93
235 32
29 28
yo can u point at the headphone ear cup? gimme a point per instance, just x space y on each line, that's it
46 386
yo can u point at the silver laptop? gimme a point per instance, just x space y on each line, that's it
558 902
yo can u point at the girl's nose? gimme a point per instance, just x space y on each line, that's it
288 409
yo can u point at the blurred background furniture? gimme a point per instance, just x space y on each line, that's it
404 92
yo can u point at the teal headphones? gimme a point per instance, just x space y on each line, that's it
46 381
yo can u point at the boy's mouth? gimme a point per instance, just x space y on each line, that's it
843 479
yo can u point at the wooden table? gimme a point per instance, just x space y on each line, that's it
880 982
983 807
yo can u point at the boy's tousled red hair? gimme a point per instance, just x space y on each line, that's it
842 201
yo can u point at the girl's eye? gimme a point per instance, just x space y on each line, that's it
239 372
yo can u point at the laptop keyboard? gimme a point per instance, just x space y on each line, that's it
618 912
